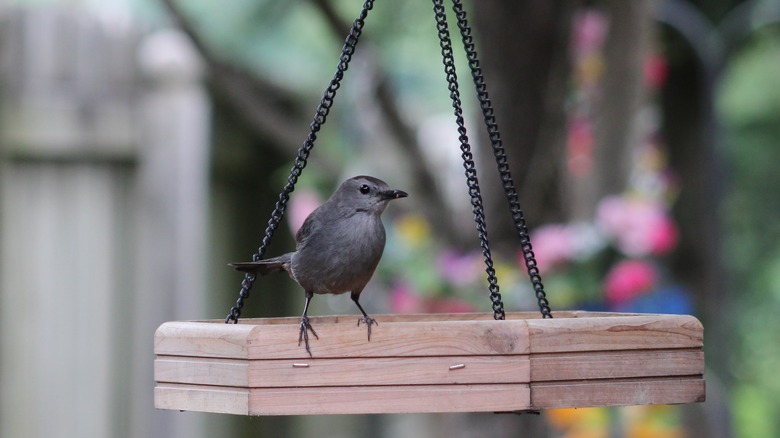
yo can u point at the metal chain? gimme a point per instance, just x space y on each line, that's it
501 159
301 158
468 159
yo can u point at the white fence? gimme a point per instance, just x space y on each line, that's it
103 207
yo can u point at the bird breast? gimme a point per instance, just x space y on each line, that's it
341 256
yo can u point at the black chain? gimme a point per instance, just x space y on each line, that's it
468 163
468 159
501 159
301 158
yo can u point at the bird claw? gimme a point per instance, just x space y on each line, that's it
303 334
369 321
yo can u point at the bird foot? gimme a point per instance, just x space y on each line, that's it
369 321
303 334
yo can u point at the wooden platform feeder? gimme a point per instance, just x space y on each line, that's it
429 363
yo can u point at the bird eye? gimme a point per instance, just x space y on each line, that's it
364 189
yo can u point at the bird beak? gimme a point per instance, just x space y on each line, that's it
394 194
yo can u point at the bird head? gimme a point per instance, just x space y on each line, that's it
366 193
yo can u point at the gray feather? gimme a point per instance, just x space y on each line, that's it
264 267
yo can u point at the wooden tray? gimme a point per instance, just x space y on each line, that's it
429 363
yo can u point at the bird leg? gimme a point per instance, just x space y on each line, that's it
303 334
366 319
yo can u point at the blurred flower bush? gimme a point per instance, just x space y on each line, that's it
443 279
616 261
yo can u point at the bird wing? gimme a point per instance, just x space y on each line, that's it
310 226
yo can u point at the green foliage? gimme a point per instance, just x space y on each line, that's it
750 105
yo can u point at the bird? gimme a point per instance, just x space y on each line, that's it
338 247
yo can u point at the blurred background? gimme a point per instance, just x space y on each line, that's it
143 144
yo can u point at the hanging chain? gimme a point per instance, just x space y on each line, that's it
301 158
320 117
501 159
468 159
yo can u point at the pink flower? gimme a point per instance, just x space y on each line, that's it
628 279
590 29
552 246
460 269
579 159
656 70
663 236
639 226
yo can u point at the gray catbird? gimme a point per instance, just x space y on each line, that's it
337 248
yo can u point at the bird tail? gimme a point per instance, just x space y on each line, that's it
263 267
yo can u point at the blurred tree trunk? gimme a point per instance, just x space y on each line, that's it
523 48
617 116
618 126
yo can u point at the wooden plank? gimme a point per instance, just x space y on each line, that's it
382 318
430 370
635 332
341 337
418 317
389 399
426 335
343 372
550 395
189 338
619 364
414 338
427 398
202 371
219 400
344 400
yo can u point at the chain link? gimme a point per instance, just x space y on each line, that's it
468 159
320 116
501 159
